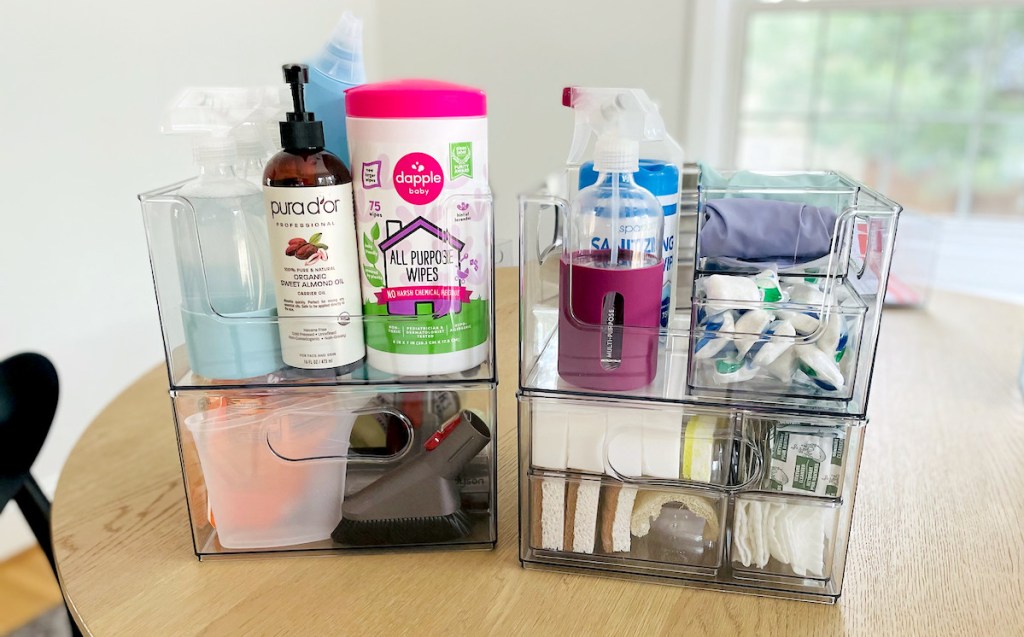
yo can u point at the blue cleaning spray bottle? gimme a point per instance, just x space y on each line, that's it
335 69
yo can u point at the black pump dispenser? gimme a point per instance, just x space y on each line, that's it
301 130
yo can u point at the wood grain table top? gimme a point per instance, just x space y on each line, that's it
936 545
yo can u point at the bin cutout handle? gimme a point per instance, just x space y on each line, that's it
543 202
347 430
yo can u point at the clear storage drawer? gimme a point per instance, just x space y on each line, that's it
712 497
327 469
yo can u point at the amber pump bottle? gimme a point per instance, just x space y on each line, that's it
308 196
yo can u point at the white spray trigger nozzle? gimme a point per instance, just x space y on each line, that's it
623 112
617 155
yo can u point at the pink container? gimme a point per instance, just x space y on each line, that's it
608 323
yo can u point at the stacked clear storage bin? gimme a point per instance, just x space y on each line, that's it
728 471
278 459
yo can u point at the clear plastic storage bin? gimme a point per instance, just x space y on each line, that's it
214 335
735 467
746 331
278 459
716 364
280 470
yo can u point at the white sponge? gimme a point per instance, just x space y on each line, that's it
550 435
662 436
588 496
552 517
586 434
614 517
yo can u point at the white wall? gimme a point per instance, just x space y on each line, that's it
523 53
84 85
83 88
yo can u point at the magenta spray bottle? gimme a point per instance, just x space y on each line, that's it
611 277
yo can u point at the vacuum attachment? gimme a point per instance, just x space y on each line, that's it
418 502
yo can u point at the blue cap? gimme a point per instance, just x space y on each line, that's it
659 177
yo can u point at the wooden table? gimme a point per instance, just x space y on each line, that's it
936 546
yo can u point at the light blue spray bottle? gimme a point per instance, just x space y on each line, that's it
227 287
335 69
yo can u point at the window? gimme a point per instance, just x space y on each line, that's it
923 100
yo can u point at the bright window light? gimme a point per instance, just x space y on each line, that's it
924 102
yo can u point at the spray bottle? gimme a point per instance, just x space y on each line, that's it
247 115
252 152
335 69
612 264
660 167
227 290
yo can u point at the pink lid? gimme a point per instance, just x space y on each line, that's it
415 98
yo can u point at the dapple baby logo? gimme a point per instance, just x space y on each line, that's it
418 178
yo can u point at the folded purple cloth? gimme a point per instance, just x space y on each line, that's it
745 228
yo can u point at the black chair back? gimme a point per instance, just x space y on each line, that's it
28 401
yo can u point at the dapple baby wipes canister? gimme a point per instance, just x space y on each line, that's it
419 169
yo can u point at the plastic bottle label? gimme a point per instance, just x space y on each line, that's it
312 243
639 237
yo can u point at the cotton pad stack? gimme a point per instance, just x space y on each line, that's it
793 534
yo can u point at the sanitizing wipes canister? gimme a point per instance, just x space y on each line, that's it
418 152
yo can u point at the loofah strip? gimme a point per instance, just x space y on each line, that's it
647 507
